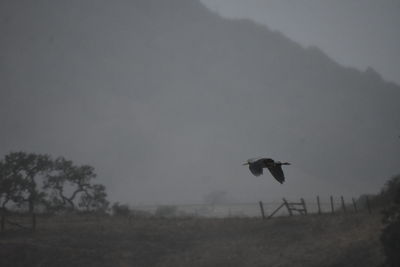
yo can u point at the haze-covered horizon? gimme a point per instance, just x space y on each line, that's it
166 100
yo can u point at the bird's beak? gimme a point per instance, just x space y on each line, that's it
246 163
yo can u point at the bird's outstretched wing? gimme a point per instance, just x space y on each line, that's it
257 170
253 160
277 172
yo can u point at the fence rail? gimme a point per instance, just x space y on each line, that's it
261 209
265 210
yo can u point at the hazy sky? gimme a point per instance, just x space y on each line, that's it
167 99
358 33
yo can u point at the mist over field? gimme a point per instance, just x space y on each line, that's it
167 99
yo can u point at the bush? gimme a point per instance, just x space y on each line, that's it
166 211
120 209
140 214
389 192
391 218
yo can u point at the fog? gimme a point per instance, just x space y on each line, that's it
354 33
166 99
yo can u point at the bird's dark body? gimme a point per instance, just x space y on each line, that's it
256 167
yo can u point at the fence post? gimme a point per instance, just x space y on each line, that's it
3 220
354 204
368 205
319 206
287 206
262 209
33 221
332 207
304 206
343 205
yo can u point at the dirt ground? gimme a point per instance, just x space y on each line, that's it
325 240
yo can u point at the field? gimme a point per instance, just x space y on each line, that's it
315 240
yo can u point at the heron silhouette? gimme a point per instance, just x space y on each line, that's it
256 166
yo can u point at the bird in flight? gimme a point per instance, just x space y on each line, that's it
256 166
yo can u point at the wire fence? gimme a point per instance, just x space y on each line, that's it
315 205
261 209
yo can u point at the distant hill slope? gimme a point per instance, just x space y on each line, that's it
151 92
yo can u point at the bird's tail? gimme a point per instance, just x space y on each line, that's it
285 163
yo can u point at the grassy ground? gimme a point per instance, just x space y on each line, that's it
326 240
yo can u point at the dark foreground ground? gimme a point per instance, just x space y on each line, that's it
326 240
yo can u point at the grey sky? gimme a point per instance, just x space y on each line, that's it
358 33
166 99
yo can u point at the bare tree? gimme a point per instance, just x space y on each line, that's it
9 190
95 199
71 187
32 179
10 186
67 182
25 172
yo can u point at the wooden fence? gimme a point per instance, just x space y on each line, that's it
301 207
261 209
